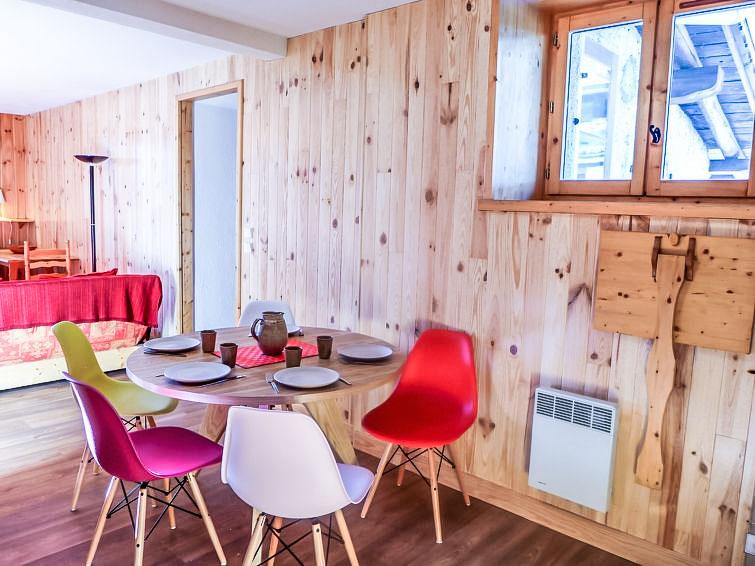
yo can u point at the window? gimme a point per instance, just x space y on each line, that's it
620 124
598 107
601 102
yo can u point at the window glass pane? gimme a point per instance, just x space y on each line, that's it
709 114
601 102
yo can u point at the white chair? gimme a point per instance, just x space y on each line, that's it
280 463
255 309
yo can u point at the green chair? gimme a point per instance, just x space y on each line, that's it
128 398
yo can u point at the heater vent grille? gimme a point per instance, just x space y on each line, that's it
580 413
602 419
545 404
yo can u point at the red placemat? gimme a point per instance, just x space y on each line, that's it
252 356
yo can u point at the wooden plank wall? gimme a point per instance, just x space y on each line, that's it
13 156
364 151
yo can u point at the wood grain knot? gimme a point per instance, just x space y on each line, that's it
486 425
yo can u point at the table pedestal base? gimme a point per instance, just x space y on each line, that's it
326 413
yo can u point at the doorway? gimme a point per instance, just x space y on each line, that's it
210 195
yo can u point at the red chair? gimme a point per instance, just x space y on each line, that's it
434 403
142 456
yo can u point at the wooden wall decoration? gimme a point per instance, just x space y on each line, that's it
716 303
364 155
696 290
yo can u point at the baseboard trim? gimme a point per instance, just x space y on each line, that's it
601 536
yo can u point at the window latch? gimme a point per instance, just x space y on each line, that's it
655 131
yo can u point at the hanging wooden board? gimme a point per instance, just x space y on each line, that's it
714 309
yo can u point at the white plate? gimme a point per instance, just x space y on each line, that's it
197 372
172 344
365 352
306 377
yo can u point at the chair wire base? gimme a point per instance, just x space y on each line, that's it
130 497
414 453
288 547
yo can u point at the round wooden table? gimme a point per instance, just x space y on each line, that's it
147 371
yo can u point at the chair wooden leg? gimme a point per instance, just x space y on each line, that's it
434 494
459 475
171 511
151 422
141 524
255 540
206 517
317 540
80 477
109 496
277 524
346 536
401 469
378 475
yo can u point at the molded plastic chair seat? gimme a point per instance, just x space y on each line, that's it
356 480
419 418
170 451
142 456
281 464
434 403
128 398
254 310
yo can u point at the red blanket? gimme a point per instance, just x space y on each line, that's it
44 302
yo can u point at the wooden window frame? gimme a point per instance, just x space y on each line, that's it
655 186
657 34
563 24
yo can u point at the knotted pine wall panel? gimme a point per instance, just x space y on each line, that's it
364 151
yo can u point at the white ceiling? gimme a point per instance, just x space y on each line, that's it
289 18
50 57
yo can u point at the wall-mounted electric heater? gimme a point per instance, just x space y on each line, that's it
573 444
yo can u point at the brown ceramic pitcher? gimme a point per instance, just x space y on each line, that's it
272 335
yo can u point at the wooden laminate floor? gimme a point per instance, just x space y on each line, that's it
41 439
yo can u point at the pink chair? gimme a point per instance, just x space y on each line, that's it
142 456
280 463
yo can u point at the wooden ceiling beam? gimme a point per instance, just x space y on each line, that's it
710 106
181 23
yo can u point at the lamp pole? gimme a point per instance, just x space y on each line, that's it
92 160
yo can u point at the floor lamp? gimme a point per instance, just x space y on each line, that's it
92 160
